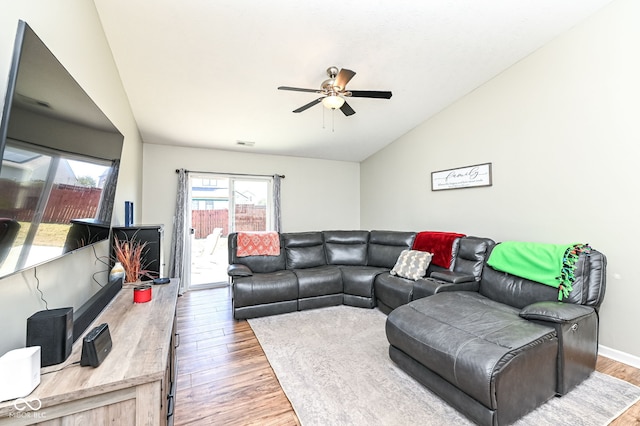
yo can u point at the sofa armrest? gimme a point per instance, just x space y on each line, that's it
577 330
555 312
429 286
239 270
452 277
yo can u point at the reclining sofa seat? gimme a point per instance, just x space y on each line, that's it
318 283
313 269
261 285
501 351
468 255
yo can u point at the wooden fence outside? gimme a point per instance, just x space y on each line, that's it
76 202
249 217
66 202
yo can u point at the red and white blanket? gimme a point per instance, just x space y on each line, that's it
258 244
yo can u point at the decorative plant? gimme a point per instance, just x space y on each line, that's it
129 252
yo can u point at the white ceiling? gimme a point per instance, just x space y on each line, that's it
204 73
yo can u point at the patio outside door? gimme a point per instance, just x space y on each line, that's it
221 204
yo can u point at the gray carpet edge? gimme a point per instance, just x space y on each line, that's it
622 409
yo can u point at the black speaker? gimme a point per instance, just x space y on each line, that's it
96 345
52 330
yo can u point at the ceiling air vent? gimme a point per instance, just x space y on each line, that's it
245 143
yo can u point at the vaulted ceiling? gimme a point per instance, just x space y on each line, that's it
204 73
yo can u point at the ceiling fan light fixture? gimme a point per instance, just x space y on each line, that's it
334 91
333 102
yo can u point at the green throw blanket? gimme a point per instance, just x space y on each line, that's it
550 264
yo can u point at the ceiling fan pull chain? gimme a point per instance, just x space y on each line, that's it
333 120
323 118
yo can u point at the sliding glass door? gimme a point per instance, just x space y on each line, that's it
221 204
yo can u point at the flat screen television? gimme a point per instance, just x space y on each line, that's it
60 161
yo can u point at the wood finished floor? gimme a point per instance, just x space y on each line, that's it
224 377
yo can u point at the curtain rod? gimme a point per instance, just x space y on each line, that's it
226 173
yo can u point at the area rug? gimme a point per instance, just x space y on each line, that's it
334 367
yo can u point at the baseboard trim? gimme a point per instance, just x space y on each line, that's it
619 356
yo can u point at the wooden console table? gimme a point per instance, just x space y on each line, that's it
135 383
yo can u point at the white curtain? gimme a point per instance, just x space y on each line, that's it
180 259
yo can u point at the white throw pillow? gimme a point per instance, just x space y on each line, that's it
412 264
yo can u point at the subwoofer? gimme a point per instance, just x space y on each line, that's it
52 330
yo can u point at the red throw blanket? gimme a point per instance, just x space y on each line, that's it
258 244
437 243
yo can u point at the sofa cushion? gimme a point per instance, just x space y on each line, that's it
412 264
393 291
260 289
346 247
304 250
471 254
386 246
514 291
319 281
358 280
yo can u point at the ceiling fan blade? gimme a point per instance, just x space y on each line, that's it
370 94
298 89
343 77
346 109
309 105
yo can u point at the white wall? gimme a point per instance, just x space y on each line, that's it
316 194
562 131
72 31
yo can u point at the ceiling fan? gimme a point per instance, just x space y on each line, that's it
334 92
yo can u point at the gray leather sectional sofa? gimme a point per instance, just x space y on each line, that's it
314 269
493 345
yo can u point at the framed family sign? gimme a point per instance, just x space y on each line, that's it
462 177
